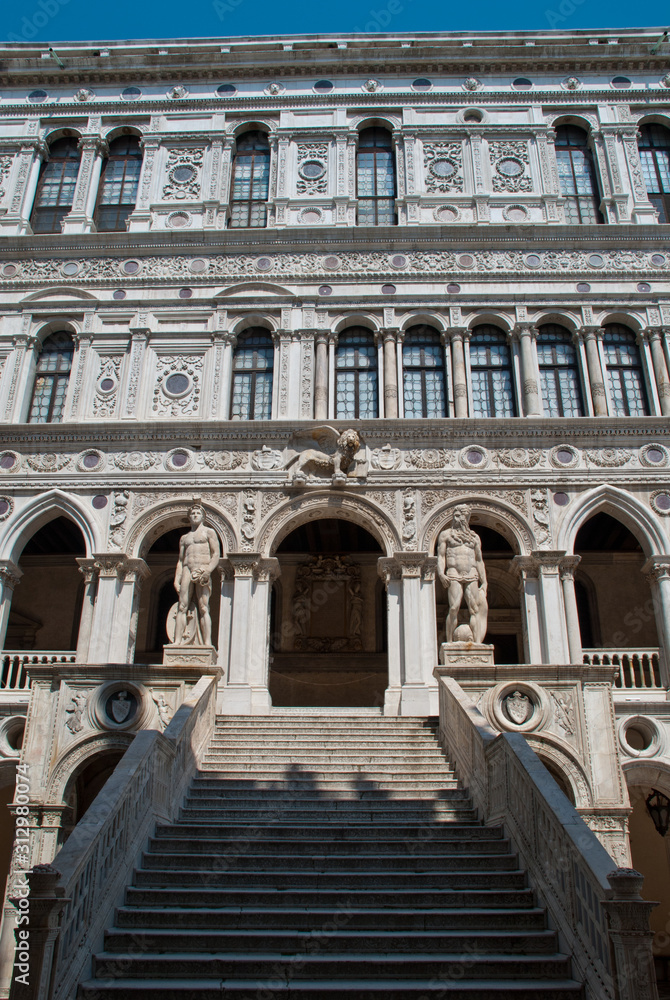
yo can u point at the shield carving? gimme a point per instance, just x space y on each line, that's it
519 707
121 707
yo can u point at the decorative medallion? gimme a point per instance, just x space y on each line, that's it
518 707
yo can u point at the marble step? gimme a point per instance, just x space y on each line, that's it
291 771
347 811
343 898
398 989
389 863
370 851
229 965
411 835
301 783
410 919
284 755
508 942
278 880
254 738
449 791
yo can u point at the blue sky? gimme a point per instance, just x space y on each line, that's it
79 20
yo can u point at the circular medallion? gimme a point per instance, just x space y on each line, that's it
6 507
323 86
131 94
312 170
226 90
453 288
9 461
99 502
178 220
465 260
131 266
509 167
331 263
185 293
583 286
177 384
388 289
264 264
10 270
119 294
325 290
561 499
443 168
182 174
657 259
660 501
198 266
533 260
37 96
421 85
595 260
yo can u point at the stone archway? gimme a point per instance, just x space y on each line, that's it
328 629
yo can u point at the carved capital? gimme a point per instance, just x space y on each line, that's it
267 569
658 568
10 574
590 332
243 563
524 329
87 567
567 567
407 565
525 568
118 565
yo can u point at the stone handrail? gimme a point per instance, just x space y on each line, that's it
72 900
637 669
602 920
13 673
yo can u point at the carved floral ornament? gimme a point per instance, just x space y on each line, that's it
419 262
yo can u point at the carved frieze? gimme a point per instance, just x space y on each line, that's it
184 168
443 162
222 461
510 163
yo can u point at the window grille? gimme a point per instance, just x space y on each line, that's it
375 178
356 385
577 175
624 372
423 373
253 363
119 183
51 379
251 180
559 372
491 367
55 188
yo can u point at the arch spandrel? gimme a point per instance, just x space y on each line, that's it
491 513
40 511
322 504
160 518
624 507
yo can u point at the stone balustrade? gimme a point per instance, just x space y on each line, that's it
638 669
602 920
14 675
72 899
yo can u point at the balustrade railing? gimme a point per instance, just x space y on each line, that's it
596 907
13 673
72 900
637 669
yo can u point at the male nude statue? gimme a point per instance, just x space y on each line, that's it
460 567
199 554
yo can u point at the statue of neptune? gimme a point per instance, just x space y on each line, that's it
460 567
199 554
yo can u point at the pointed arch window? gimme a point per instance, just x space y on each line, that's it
491 368
577 176
375 178
253 364
559 372
251 181
119 182
356 383
424 384
654 147
624 371
55 188
51 379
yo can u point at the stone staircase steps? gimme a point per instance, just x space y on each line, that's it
328 858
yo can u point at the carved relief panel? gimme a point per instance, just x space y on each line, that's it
510 166
184 173
443 166
312 168
178 385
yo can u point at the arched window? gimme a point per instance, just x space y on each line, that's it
624 372
253 361
423 373
51 378
577 175
251 179
491 367
55 188
356 386
375 178
117 192
654 146
559 372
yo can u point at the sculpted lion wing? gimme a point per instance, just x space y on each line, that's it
325 436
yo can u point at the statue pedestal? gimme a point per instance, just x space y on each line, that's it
466 652
190 653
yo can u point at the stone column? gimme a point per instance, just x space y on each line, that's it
660 368
212 196
83 343
526 569
643 211
321 376
229 342
112 633
591 335
32 154
552 612
90 572
224 184
10 575
225 618
658 570
389 571
457 335
246 691
20 376
390 373
527 334
80 218
141 217
567 567
417 629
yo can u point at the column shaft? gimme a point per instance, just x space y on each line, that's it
595 373
460 377
567 570
321 377
390 374
10 574
88 569
531 396
660 370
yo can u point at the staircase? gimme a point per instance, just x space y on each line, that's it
329 857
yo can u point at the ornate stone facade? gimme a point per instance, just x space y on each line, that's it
480 247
